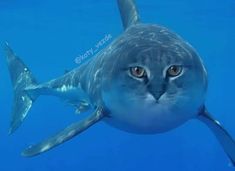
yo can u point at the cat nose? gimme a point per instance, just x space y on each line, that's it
157 93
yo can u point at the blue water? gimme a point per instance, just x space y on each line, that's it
49 35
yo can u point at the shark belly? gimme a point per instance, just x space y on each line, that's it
148 122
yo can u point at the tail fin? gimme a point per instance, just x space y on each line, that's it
21 78
221 134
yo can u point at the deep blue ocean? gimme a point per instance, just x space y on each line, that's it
49 35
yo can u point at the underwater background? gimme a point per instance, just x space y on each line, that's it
49 35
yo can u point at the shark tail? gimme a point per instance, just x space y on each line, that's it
21 78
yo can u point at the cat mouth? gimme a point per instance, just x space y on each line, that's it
154 99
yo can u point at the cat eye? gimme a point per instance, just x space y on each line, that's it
174 70
138 72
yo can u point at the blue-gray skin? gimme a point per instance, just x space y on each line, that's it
149 80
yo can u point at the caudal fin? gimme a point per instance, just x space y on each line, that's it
21 78
221 134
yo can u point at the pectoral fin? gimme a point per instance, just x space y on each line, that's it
65 135
221 134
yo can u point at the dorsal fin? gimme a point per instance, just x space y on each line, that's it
129 12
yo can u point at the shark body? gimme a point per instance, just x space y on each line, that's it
149 80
